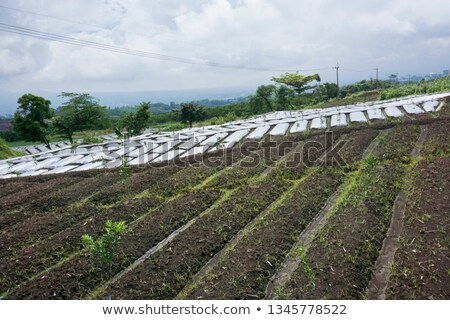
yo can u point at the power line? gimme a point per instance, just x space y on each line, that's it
99 27
157 56
111 48
171 40
353 70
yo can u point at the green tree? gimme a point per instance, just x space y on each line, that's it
136 122
80 112
284 96
263 98
297 81
30 119
393 79
327 91
191 112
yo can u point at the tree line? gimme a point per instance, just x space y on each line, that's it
35 119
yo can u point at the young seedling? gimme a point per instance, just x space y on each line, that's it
125 173
104 248
306 267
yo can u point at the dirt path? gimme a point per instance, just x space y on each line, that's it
376 290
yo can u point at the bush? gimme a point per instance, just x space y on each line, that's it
104 248
174 127
422 87
87 139
230 116
10 136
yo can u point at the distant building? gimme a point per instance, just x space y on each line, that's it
446 72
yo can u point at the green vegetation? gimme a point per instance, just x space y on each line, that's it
88 139
292 91
191 113
81 112
422 87
136 122
6 152
30 120
296 81
104 248
306 267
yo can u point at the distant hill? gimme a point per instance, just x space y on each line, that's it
5 125
160 107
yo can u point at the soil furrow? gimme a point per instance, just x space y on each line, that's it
201 228
78 276
380 278
339 262
253 256
291 263
180 260
421 265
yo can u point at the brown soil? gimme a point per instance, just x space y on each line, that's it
78 276
257 256
165 273
246 270
422 264
200 211
340 261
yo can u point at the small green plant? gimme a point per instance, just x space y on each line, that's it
125 170
104 248
405 271
306 267
125 173
87 139
371 160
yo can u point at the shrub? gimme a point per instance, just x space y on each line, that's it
87 139
104 248
10 136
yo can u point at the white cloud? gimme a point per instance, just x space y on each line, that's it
287 34
386 22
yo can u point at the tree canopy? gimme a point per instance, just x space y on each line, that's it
297 81
263 98
79 113
191 112
30 119
136 122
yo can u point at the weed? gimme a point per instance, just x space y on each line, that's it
371 160
294 235
405 271
164 229
233 282
306 267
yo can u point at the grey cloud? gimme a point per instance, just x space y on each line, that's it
395 35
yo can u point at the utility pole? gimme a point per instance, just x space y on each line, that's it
337 77
376 78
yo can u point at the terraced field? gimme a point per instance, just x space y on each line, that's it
360 212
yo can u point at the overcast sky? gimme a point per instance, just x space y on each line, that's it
401 36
